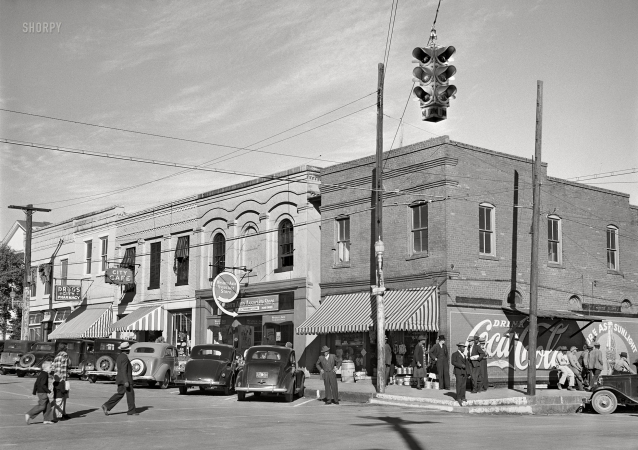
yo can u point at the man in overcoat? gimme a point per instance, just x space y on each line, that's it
484 379
328 365
459 361
124 381
596 364
419 362
475 354
439 353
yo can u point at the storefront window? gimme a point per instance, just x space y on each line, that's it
182 326
351 347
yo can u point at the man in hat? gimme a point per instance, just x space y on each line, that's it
459 361
475 353
484 380
622 364
562 364
419 362
328 365
389 367
124 381
439 353
596 364
584 363
572 356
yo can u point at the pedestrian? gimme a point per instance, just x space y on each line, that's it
484 378
328 364
419 362
439 353
622 364
124 381
596 364
41 389
475 354
584 363
562 364
61 370
389 367
572 356
59 395
459 361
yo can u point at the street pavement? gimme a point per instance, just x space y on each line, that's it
210 420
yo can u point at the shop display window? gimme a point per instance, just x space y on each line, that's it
351 347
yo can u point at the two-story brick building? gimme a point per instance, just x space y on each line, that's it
456 228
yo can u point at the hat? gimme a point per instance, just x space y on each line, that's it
124 346
325 348
597 344
441 337
423 337
461 344
573 348
623 354
476 338
482 340
470 338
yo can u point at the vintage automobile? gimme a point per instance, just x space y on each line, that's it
270 369
31 362
210 366
612 390
11 354
100 358
154 362
77 350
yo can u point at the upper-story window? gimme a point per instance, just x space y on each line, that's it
487 245
343 240
34 281
419 228
286 245
250 257
554 241
64 266
612 247
180 265
88 254
155 266
219 255
104 246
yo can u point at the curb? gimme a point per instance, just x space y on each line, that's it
355 397
376 401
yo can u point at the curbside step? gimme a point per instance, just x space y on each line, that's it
376 401
509 401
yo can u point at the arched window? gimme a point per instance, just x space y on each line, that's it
515 297
554 240
625 306
575 302
250 248
219 255
286 245
612 247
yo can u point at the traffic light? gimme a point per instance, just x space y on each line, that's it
433 74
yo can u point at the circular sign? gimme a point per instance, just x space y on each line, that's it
225 287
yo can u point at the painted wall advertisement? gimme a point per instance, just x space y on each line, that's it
506 337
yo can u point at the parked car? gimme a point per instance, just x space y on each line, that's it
612 390
270 369
31 362
100 358
210 366
154 363
77 350
11 354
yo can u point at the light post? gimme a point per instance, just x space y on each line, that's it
378 290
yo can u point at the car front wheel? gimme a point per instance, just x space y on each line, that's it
166 381
604 402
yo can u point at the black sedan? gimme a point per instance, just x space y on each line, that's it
270 369
210 366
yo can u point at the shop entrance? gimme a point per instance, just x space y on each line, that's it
278 333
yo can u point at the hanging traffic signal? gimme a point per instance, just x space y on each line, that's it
433 74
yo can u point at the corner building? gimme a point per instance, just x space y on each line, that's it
456 224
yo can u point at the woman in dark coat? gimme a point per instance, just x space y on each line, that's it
419 362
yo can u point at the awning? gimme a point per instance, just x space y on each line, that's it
129 258
88 321
405 310
147 318
554 314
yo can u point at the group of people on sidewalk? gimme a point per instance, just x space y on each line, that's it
54 379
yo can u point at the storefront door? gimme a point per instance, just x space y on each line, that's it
278 333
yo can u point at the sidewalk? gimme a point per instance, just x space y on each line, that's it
493 401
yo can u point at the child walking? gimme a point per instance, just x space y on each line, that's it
41 389
59 395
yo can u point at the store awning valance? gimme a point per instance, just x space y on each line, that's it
148 318
88 321
405 310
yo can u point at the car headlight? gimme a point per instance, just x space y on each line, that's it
239 383
223 375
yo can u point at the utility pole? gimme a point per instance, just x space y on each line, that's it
51 281
379 288
533 278
26 290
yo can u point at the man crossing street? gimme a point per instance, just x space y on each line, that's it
124 381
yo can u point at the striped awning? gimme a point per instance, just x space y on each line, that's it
147 318
405 310
88 321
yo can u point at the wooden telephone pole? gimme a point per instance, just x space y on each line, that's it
26 289
533 276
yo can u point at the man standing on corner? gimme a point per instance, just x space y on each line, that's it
596 364
441 357
420 363
475 353
328 365
484 378
61 369
460 372
124 381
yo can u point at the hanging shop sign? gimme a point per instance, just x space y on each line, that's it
68 292
119 276
225 290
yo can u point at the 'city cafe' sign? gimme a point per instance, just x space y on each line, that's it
506 338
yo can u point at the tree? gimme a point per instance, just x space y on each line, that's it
11 275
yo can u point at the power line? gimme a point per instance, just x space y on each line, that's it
388 39
614 173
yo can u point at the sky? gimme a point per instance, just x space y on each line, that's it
236 73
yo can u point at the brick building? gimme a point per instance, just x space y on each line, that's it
456 226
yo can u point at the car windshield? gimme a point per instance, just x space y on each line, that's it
14 346
43 348
220 354
71 346
271 355
144 350
107 347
